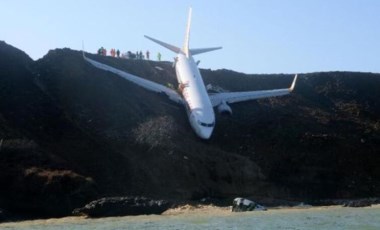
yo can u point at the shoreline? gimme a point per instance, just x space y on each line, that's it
217 207
181 211
212 209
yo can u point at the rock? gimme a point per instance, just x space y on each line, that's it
244 205
303 205
360 203
123 206
363 202
41 192
357 203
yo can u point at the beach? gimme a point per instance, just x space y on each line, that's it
212 217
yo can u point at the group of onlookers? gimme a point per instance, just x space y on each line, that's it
127 55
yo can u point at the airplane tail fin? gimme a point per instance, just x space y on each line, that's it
185 48
175 49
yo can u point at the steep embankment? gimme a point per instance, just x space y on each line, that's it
85 133
167 159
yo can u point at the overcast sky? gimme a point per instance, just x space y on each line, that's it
258 36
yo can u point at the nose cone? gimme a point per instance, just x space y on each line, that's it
205 132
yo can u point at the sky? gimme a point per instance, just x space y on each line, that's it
257 36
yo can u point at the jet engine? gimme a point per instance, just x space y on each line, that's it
224 109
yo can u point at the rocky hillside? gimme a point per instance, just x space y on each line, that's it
71 133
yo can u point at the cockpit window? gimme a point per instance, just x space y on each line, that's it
206 124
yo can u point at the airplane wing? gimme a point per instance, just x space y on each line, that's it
233 97
149 85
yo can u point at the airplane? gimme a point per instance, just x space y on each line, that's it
192 92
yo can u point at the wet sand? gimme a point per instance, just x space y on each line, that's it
215 210
181 212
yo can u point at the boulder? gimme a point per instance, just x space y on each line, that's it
123 206
363 202
360 202
244 205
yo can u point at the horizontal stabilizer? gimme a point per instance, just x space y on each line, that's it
203 50
166 45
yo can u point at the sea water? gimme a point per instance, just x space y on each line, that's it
311 218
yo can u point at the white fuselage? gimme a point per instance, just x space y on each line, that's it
197 102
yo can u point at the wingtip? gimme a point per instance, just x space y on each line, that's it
83 49
293 83
150 38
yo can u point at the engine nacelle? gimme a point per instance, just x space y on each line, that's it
224 109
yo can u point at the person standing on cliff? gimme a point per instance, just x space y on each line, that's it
118 53
147 54
159 56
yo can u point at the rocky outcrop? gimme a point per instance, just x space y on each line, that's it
363 202
31 189
122 206
245 205
358 203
